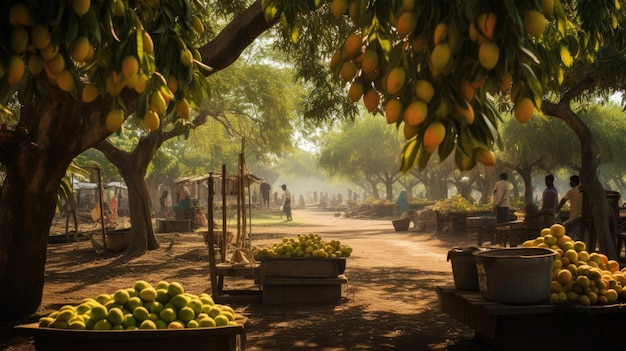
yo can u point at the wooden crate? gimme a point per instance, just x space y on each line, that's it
309 268
178 225
294 290
229 338
302 280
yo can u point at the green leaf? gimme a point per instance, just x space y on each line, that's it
139 38
409 154
71 32
533 83
561 19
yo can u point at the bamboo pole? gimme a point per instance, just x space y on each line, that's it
224 208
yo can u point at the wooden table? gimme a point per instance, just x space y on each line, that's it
482 234
537 327
511 232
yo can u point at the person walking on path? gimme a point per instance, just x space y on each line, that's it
287 202
550 198
501 199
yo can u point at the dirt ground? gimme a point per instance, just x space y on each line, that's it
389 302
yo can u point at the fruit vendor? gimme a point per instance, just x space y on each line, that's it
183 199
575 198
501 199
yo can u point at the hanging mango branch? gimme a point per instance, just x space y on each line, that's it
436 69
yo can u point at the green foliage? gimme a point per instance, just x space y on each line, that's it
361 148
536 59
115 30
456 203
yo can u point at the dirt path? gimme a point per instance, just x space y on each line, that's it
389 302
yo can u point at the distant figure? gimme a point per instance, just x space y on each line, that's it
183 204
266 189
301 202
550 198
164 202
200 219
113 206
575 198
403 204
254 198
501 199
183 198
315 197
287 203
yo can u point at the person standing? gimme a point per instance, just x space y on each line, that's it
266 189
164 202
575 198
550 197
501 199
287 202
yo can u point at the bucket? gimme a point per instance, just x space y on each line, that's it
402 224
464 267
517 275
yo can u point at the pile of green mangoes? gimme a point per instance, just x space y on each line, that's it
143 306
305 245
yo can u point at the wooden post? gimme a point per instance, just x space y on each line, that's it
212 269
241 213
224 208
104 232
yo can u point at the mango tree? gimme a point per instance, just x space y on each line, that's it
438 67
435 60
78 68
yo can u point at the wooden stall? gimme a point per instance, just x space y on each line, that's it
219 242
541 326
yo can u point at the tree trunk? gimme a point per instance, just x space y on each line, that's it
52 134
599 208
132 167
389 188
528 184
374 186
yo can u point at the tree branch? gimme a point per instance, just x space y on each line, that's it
235 38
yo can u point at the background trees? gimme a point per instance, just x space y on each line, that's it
365 153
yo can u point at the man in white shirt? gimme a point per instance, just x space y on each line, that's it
575 198
501 199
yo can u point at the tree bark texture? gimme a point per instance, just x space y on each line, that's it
48 137
132 167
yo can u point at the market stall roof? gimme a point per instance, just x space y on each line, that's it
250 178
182 180
115 185
77 185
